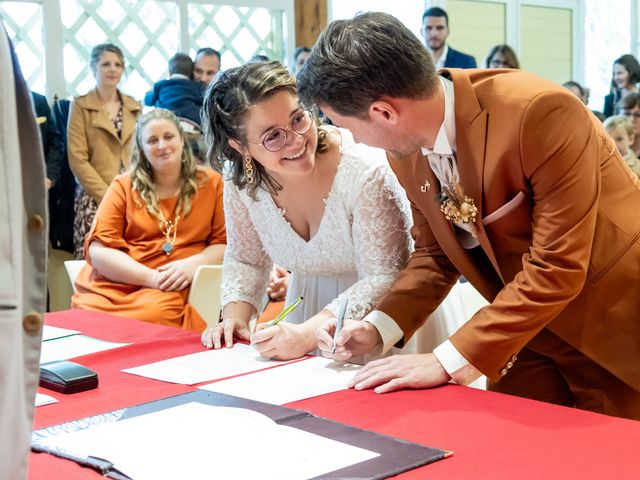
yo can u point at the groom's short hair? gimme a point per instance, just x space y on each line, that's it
358 61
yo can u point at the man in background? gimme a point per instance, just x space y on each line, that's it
435 30
23 260
179 93
207 64
299 57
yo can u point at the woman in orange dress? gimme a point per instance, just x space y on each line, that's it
155 226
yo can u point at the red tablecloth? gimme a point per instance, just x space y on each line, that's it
492 436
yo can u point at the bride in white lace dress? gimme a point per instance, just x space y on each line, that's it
326 209
305 197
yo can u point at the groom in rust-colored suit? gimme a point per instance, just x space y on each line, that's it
513 184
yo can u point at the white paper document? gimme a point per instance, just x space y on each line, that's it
74 346
42 399
50 333
198 441
206 366
296 381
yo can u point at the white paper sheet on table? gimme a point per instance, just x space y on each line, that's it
296 381
42 399
51 333
198 441
206 366
73 346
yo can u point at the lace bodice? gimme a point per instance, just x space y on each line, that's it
364 230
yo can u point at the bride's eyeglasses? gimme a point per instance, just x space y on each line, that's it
276 139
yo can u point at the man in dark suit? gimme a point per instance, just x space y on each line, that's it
435 30
51 140
60 181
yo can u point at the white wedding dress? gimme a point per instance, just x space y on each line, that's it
361 245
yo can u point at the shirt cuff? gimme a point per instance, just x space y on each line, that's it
387 327
458 367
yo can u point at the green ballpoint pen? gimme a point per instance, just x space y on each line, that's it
285 312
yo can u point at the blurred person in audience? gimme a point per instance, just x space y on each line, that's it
278 283
207 63
99 136
258 57
23 247
621 130
299 57
577 90
630 107
304 196
435 31
625 77
179 93
155 226
514 184
52 141
502 56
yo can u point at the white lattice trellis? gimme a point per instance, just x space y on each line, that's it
24 25
238 32
148 31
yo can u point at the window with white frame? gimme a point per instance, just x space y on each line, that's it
607 37
148 31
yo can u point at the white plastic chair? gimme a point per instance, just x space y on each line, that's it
73 267
204 294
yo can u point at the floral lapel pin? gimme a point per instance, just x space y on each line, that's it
457 207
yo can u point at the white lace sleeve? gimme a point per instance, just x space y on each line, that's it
246 266
381 237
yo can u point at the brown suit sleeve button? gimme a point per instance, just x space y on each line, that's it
32 323
503 372
35 223
509 365
514 358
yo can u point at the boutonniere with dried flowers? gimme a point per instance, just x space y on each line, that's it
457 207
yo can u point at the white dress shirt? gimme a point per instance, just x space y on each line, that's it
442 161
443 58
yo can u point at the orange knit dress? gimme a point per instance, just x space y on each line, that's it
123 222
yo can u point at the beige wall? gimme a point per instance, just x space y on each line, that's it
545 44
545 34
476 27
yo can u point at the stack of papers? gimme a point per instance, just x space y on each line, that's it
206 366
42 399
296 381
208 442
73 346
51 333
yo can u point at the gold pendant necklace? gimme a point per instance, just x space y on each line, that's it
167 228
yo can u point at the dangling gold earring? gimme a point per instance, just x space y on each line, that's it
248 169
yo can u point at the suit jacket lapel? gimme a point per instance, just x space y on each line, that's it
471 136
130 110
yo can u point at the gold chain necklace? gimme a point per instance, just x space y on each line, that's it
167 228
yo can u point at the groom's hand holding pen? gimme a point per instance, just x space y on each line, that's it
342 340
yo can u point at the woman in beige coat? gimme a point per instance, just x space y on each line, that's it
99 137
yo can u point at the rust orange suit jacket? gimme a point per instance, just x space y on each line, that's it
559 223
